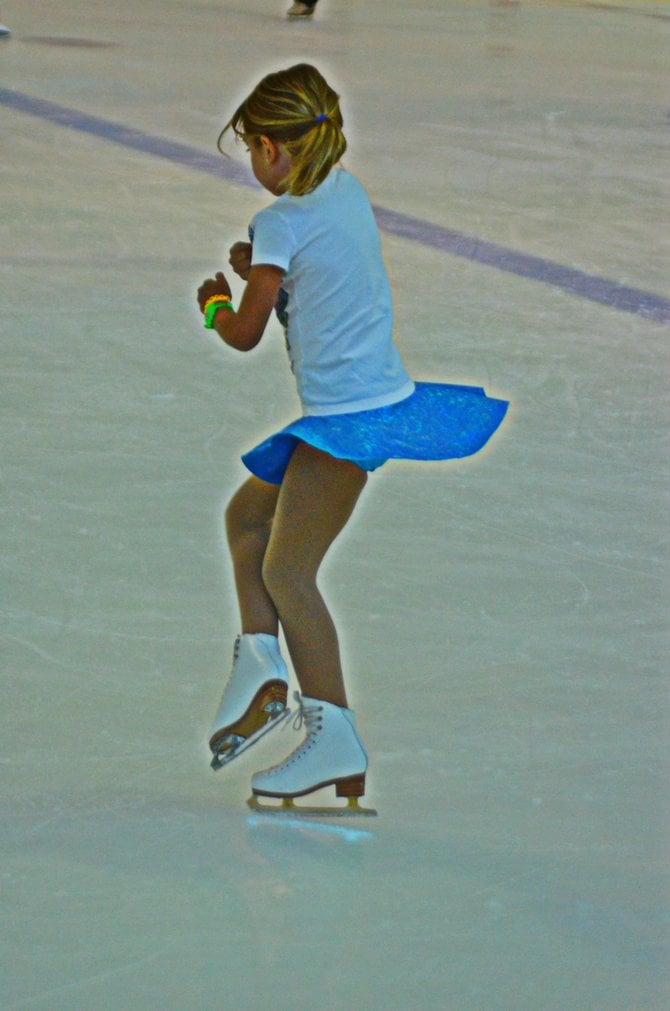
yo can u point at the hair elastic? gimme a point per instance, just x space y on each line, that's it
322 117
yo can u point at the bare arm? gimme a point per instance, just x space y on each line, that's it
243 330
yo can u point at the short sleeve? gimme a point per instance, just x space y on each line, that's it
274 241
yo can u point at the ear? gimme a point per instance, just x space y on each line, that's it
271 150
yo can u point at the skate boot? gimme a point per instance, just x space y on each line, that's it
331 755
301 10
254 697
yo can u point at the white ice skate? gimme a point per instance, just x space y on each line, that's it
331 755
254 697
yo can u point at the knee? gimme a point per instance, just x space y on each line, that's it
234 517
275 576
287 584
247 513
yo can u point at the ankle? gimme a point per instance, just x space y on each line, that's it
334 698
254 629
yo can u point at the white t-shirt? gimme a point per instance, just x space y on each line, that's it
340 317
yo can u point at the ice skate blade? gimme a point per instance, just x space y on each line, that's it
287 808
222 758
267 705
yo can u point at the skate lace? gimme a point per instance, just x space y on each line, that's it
309 717
236 653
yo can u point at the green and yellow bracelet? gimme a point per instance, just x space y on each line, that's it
212 306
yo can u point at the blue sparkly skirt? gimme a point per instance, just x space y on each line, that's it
436 422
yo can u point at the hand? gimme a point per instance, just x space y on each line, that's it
240 259
216 285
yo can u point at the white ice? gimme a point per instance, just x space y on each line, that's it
503 619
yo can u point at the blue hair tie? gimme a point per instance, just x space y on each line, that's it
322 117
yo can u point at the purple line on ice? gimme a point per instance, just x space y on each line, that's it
535 268
576 282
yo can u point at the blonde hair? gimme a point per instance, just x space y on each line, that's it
299 109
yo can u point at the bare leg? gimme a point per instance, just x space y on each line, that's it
316 499
248 525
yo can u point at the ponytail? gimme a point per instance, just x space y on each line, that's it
298 109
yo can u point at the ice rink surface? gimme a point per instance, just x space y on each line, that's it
503 618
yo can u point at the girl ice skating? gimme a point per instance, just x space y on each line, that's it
315 256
